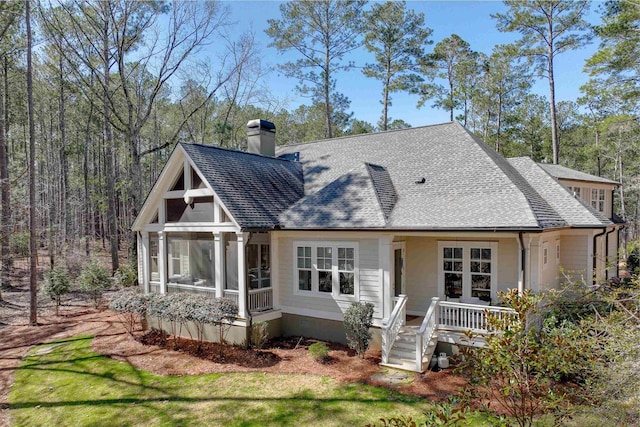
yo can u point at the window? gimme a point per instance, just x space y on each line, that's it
558 251
467 269
575 190
545 254
326 268
304 268
597 199
259 264
153 258
191 260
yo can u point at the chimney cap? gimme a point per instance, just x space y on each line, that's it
261 124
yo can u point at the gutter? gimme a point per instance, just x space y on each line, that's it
594 258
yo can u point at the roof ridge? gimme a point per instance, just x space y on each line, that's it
233 150
337 138
538 206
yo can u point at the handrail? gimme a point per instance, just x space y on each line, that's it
426 331
464 317
392 326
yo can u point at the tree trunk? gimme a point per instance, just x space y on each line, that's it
33 265
555 144
327 77
109 149
5 199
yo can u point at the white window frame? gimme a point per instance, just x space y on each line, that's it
576 191
466 266
545 255
557 251
598 199
335 272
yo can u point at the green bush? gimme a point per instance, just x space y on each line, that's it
633 261
19 244
56 284
126 276
94 279
319 351
357 321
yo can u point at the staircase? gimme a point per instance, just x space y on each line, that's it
403 352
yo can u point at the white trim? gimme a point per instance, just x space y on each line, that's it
402 246
265 316
275 268
384 266
242 276
466 269
335 288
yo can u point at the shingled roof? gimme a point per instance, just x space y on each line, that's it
443 178
254 188
562 172
438 177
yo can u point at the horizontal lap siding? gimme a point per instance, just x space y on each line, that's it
573 257
369 278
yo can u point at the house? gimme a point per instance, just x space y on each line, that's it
421 221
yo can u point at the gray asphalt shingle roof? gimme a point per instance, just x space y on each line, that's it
255 189
572 209
426 178
466 184
562 172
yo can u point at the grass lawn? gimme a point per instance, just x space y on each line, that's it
66 383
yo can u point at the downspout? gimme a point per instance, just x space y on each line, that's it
521 264
606 251
594 258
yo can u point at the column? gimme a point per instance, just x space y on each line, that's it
385 255
144 254
162 261
218 254
242 275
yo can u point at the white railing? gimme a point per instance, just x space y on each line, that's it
428 331
456 316
392 325
232 294
260 299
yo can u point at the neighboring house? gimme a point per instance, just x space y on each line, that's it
394 218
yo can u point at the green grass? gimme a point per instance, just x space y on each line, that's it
65 383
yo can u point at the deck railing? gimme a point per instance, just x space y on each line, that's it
427 332
392 325
260 299
456 316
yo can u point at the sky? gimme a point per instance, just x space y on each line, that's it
471 20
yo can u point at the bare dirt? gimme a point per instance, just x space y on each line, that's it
142 350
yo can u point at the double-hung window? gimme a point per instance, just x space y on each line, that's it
326 268
597 199
467 269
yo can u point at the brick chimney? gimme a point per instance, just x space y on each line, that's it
261 137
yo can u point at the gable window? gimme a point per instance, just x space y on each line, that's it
326 269
597 199
575 190
467 269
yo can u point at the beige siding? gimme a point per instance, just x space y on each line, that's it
612 260
550 273
573 258
370 289
422 269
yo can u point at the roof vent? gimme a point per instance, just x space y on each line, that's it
261 137
421 181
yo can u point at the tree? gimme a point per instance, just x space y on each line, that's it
548 29
398 38
33 230
452 60
322 33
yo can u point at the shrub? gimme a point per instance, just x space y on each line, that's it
94 279
520 366
259 334
319 351
633 261
126 276
19 244
132 305
56 284
357 321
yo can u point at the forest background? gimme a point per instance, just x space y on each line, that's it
95 95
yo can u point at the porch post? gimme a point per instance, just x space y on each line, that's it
242 276
275 268
162 261
384 260
534 263
146 268
218 255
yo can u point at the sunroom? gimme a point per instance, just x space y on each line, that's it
189 242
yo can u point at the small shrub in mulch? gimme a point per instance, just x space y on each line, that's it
213 351
319 351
